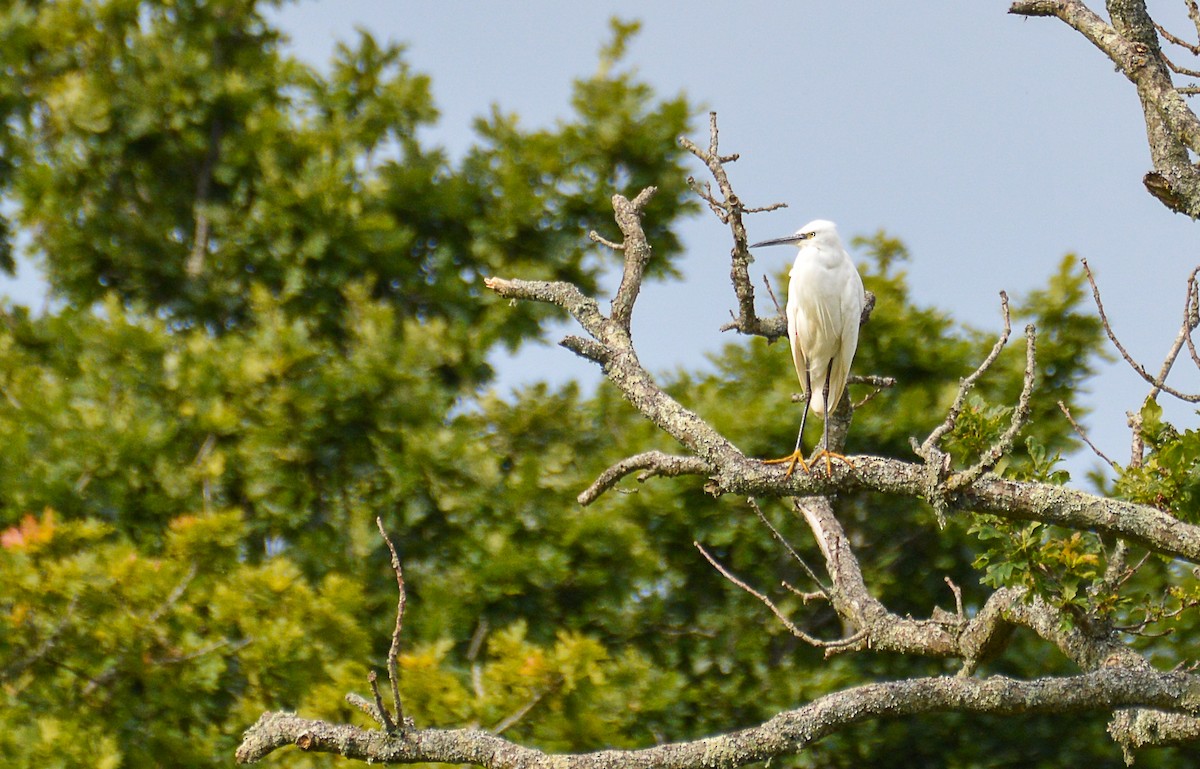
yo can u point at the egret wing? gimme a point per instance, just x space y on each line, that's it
852 302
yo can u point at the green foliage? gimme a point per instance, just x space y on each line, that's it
115 656
1169 476
1051 563
566 696
172 154
274 331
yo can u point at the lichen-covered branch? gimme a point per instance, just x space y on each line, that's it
732 472
1148 707
651 464
1131 43
730 209
637 253
785 734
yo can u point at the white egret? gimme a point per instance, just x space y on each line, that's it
824 307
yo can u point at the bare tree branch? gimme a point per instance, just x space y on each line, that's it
786 734
1131 43
733 472
729 209
1020 416
830 646
1193 49
394 649
637 253
651 463
1157 383
1084 436
928 448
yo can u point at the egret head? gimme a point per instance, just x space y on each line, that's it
816 231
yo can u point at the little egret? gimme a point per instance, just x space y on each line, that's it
824 307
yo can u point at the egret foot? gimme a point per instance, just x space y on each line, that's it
830 455
793 459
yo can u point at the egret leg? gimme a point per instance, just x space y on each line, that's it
797 455
825 452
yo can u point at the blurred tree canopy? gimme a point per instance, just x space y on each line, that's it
271 329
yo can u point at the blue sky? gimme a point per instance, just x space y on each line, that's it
991 144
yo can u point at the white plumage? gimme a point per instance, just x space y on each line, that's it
824 308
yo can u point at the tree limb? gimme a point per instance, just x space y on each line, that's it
651 463
730 209
637 253
785 734
1172 128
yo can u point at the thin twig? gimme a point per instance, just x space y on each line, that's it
804 595
927 448
598 238
473 649
176 593
1179 69
1082 434
788 546
880 383
651 463
1193 14
1020 416
771 293
1156 384
1191 317
958 601
787 623
394 650
383 716
363 704
1193 49
514 718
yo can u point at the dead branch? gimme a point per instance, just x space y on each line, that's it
729 209
651 463
823 591
788 733
637 253
1158 383
929 447
1020 416
1191 314
394 649
829 646
1189 47
1131 43
1084 436
731 471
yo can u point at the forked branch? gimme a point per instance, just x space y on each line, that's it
730 210
1131 43
1157 383
929 447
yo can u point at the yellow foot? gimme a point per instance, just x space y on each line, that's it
793 459
830 455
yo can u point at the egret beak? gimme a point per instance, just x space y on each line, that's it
790 240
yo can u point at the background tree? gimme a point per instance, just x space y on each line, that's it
275 330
